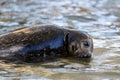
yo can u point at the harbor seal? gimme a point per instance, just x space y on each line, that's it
44 42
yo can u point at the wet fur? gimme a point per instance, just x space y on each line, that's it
35 44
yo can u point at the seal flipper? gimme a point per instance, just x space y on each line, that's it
66 42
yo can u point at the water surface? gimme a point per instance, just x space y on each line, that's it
100 18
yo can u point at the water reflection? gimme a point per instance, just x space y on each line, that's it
100 18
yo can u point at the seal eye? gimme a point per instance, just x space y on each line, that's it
86 44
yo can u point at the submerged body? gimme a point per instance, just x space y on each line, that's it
38 43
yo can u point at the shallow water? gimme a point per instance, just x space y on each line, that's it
100 18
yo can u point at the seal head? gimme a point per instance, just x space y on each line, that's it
80 44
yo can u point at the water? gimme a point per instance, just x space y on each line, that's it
100 18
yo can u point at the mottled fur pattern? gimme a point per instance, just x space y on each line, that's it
45 42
